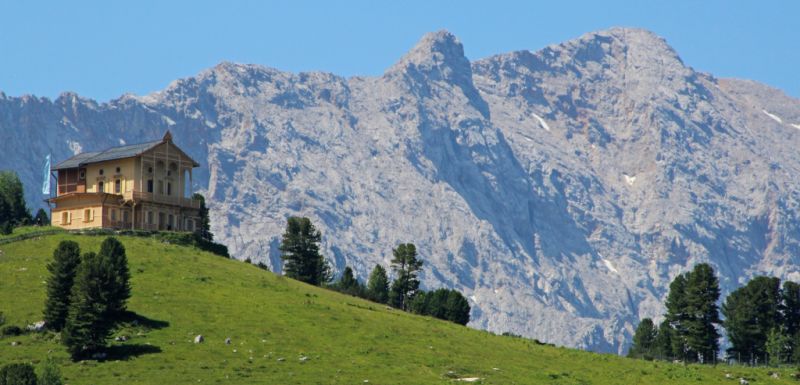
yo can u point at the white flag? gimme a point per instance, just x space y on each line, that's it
46 183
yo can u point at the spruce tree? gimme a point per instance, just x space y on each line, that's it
676 316
300 252
203 230
644 340
378 285
662 349
457 308
66 258
88 325
778 346
406 267
750 313
12 192
702 314
41 218
791 307
112 253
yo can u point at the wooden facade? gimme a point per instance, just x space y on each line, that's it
144 187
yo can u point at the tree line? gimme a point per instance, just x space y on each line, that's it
303 261
761 320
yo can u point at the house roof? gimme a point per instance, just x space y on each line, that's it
113 153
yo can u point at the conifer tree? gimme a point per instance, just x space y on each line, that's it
406 267
457 308
112 253
66 258
676 316
791 307
88 325
378 285
702 314
41 218
644 340
12 192
663 343
750 313
300 252
203 230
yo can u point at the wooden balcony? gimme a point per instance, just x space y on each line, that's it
170 200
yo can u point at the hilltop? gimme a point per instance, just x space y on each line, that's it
274 322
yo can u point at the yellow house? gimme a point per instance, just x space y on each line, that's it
142 187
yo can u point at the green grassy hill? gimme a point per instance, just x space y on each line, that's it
274 322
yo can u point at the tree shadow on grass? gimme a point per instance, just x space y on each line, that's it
132 319
126 352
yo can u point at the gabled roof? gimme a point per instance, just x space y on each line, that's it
114 153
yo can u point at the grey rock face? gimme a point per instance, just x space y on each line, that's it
560 190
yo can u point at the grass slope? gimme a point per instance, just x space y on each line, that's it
273 322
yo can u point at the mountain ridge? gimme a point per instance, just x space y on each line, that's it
560 189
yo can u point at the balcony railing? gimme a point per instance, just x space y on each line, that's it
158 198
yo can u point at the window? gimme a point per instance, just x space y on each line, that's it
169 188
101 171
65 218
150 170
126 216
189 225
150 185
118 170
117 186
171 221
150 217
100 187
87 215
82 175
113 214
161 187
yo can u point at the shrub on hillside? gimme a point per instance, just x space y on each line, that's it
17 374
50 374
10 330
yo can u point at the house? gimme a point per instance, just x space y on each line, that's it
143 186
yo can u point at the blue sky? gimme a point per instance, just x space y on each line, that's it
104 49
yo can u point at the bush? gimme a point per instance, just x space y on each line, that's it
17 374
6 228
50 374
11 330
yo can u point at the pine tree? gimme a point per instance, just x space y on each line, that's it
457 308
88 325
300 252
112 253
406 266
66 258
644 340
676 316
378 285
702 315
662 346
791 307
750 313
41 218
203 230
12 192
